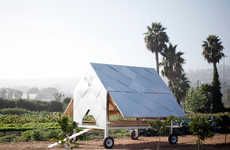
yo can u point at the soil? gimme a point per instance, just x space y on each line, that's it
156 143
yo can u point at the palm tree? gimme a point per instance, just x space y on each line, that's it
183 85
172 68
172 62
213 52
156 39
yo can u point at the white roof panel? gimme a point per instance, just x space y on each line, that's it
138 91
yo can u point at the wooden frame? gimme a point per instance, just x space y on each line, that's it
69 109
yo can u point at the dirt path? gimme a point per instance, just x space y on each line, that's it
185 143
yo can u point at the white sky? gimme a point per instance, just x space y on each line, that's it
47 38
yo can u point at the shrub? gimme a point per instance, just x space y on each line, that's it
206 89
53 134
195 101
67 125
158 127
38 135
200 126
26 136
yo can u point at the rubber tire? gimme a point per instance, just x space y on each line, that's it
108 142
74 140
172 139
134 135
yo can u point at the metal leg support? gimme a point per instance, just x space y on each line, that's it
171 127
106 132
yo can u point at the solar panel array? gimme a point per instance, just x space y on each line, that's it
138 91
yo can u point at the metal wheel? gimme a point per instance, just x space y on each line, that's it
74 140
173 139
134 135
108 142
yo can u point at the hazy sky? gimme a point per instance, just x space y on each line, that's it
47 38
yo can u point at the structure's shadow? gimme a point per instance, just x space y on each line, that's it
167 146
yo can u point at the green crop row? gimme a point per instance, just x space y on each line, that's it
38 117
33 135
28 126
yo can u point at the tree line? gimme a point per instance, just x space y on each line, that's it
208 97
35 105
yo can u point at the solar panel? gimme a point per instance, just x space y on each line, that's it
138 91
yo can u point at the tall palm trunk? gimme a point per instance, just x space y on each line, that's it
217 105
157 60
215 73
214 83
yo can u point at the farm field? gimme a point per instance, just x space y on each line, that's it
36 130
185 142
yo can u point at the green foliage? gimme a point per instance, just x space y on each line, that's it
213 52
201 99
158 127
45 126
180 87
26 136
216 93
32 120
173 69
156 39
67 125
201 127
8 138
219 122
206 115
66 101
195 100
168 120
156 124
39 135
206 89
32 105
7 103
119 133
55 106
30 126
54 134
89 118
13 111
213 49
